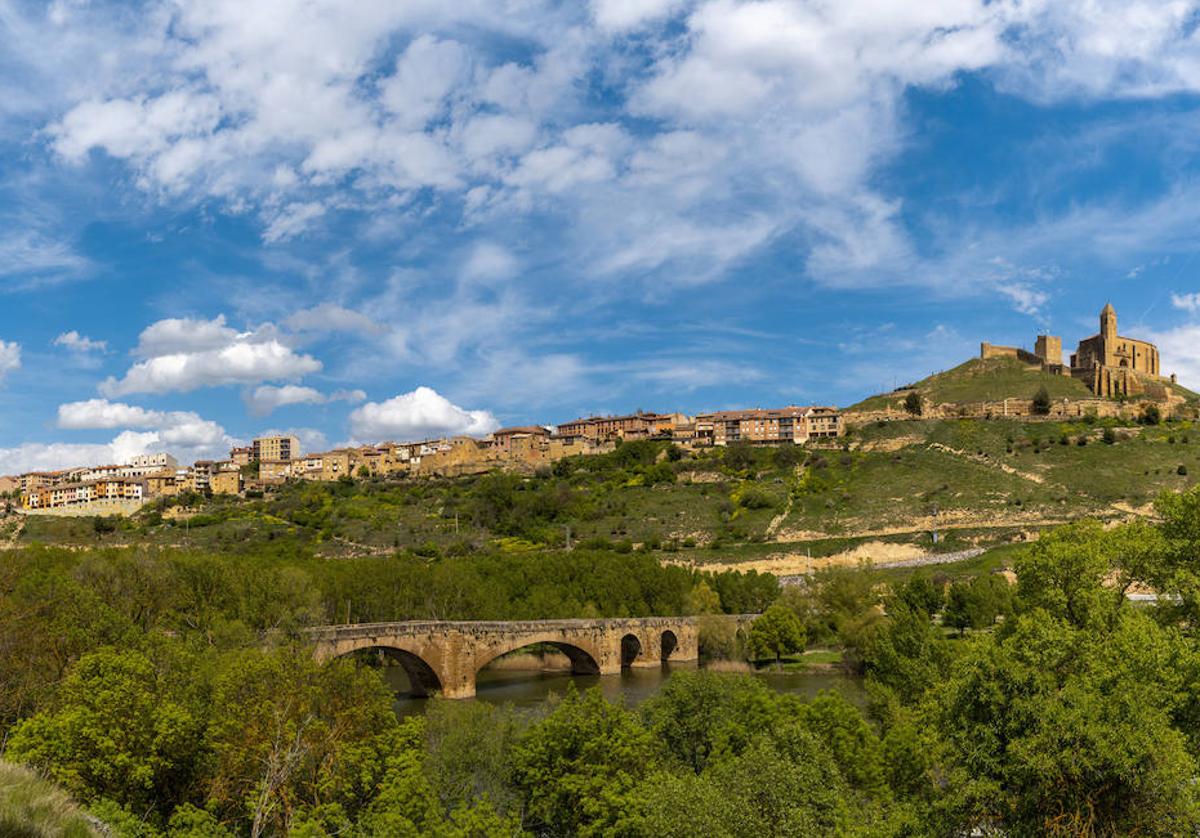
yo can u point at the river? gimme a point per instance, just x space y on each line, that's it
528 688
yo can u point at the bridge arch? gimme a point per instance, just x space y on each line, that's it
631 649
583 661
668 642
422 679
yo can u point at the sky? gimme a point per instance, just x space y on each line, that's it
394 220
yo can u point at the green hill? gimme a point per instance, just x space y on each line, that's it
980 380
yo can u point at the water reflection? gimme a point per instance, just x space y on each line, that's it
532 688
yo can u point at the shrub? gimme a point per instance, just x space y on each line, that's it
1182 470
1041 402
912 403
1110 436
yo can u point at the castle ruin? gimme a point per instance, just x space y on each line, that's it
1111 365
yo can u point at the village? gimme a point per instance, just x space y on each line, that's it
272 460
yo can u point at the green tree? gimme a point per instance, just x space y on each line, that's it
698 716
282 730
921 593
977 603
576 767
776 633
117 729
1054 729
1041 402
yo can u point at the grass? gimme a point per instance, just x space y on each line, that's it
980 380
31 807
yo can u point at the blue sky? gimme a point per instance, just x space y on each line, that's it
381 220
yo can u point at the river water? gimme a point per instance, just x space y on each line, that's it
526 688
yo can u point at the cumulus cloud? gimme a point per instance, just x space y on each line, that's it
82 344
183 429
421 414
184 434
38 456
10 357
183 334
266 399
183 355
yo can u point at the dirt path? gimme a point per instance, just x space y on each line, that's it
988 461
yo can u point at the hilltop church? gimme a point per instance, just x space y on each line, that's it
1110 364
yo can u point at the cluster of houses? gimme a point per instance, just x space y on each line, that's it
273 460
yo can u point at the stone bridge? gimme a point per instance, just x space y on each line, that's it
445 656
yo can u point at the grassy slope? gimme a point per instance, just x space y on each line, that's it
989 481
31 807
983 380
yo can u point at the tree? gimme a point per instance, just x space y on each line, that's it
738 456
283 731
912 403
921 593
776 633
700 716
1053 729
1041 401
576 766
977 603
118 729
363 472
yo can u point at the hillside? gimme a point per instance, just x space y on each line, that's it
979 380
31 807
783 508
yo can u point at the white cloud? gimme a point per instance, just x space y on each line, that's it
489 262
82 344
29 259
329 317
1188 302
183 429
265 399
784 106
627 14
182 334
183 355
1180 350
37 456
10 357
421 414
292 220
183 434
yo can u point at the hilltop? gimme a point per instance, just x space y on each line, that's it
992 380
980 380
